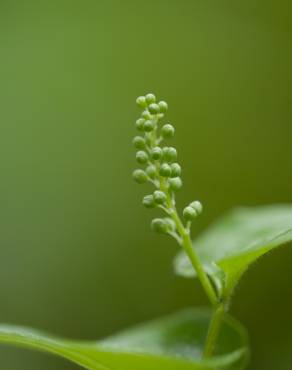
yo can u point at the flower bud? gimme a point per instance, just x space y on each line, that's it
141 101
140 176
140 124
165 170
148 201
189 213
167 131
141 157
156 153
146 115
150 98
197 206
159 197
175 170
160 115
139 142
149 126
169 154
175 183
159 225
170 223
163 106
154 108
151 171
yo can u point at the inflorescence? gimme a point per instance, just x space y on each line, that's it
160 168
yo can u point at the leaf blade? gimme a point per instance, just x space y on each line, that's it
173 343
238 239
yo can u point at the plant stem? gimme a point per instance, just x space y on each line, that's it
218 308
186 243
202 276
213 330
188 247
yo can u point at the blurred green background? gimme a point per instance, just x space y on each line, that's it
77 257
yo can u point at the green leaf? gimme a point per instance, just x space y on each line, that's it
171 343
239 238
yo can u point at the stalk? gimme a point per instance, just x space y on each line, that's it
213 331
162 170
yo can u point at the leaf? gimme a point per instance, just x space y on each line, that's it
239 238
171 343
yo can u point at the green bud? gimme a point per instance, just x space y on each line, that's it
146 115
154 108
141 157
150 98
148 201
175 170
149 126
175 183
167 131
169 154
156 153
163 106
189 213
159 225
160 115
159 196
197 206
139 142
141 101
164 151
165 170
140 124
140 176
170 223
151 171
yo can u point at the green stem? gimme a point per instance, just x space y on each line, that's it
188 247
216 320
213 331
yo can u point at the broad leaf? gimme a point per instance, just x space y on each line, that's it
227 248
171 343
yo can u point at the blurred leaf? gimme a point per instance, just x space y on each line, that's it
172 343
229 246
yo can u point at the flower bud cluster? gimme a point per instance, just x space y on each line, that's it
192 211
159 164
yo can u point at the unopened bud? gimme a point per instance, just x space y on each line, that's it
175 170
150 98
148 201
165 170
163 106
140 176
149 126
197 206
156 153
189 213
154 108
139 142
175 183
167 131
159 225
141 101
141 157
159 196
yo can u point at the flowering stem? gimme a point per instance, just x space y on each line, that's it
164 173
188 247
218 308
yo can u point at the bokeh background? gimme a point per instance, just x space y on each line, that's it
76 254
